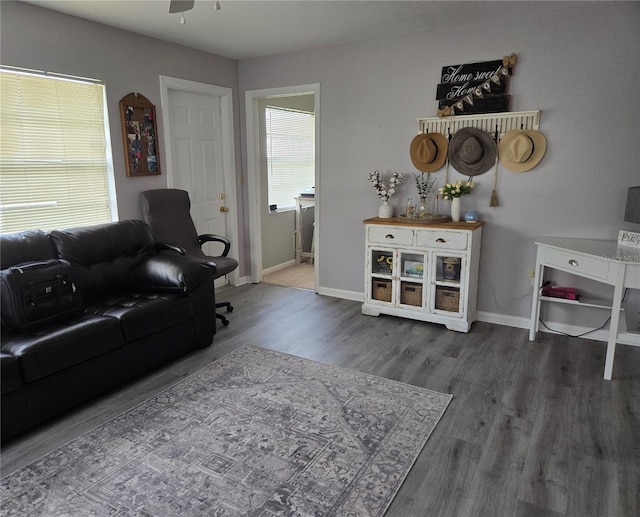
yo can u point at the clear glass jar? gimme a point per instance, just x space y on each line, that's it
410 208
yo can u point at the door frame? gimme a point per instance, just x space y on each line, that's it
228 148
253 171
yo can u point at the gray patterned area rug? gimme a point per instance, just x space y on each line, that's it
257 433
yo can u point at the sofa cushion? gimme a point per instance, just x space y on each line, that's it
104 255
27 246
142 314
10 373
53 347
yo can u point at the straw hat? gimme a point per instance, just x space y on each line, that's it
428 151
521 150
472 151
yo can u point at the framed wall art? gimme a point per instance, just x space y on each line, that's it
140 135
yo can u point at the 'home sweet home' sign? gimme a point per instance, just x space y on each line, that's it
475 87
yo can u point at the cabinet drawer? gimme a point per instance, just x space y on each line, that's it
583 265
388 235
439 239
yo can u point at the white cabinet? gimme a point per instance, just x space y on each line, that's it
426 272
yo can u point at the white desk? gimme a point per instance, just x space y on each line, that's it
599 260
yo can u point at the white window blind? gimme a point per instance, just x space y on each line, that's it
53 153
290 154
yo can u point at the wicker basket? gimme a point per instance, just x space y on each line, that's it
447 299
381 289
411 294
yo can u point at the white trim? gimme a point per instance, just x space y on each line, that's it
354 296
501 319
278 267
507 321
253 171
111 175
228 148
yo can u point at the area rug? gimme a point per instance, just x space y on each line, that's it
257 433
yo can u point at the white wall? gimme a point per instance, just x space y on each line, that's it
578 67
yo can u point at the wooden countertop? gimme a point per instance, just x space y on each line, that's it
449 225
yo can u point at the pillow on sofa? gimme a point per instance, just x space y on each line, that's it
36 292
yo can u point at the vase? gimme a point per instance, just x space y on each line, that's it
425 207
455 209
385 211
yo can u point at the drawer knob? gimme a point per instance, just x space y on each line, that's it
440 239
573 262
389 236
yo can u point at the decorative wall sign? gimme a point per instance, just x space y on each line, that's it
471 104
475 87
139 131
450 91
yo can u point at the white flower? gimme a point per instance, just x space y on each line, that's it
381 191
456 189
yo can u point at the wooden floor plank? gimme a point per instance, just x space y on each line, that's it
532 430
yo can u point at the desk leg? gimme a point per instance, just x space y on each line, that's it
535 302
615 319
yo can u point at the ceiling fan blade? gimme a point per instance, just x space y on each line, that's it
180 6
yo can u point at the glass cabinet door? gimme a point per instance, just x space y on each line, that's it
413 273
448 274
382 264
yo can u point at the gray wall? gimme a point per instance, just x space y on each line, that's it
41 39
579 67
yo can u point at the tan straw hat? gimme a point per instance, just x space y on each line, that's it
428 151
521 150
472 151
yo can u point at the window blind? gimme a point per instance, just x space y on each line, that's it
53 153
290 154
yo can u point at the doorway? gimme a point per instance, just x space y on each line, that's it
265 221
200 156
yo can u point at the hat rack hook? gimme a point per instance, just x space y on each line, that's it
486 121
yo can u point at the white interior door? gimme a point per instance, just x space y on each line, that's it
198 156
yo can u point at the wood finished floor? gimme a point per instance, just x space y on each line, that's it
298 275
533 429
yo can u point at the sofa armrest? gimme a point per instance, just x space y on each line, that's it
171 273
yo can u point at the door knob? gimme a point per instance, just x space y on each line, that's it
224 209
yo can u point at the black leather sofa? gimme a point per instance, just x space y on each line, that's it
140 309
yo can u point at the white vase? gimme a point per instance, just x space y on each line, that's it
455 209
385 211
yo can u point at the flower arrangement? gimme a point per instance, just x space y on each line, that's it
424 184
456 189
383 192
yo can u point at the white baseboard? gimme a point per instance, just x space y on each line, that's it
502 319
498 319
242 281
339 293
278 267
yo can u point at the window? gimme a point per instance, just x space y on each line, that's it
54 170
290 154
